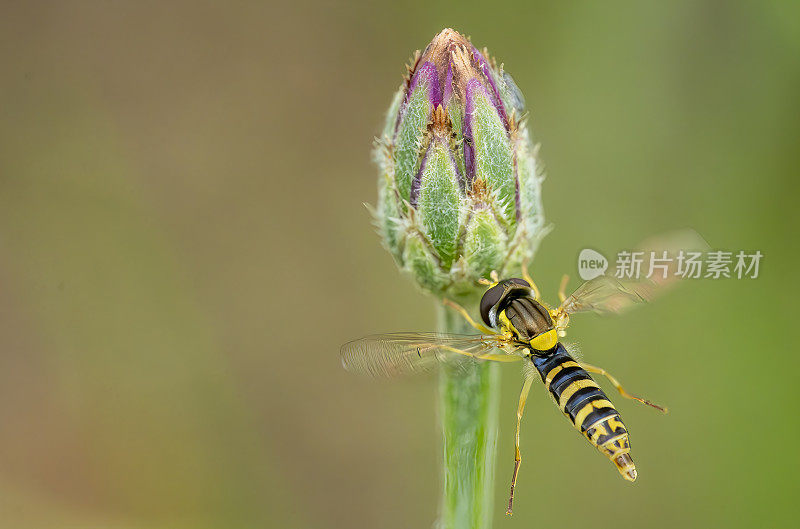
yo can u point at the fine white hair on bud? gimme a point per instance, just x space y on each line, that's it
459 190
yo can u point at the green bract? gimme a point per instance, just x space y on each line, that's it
460 188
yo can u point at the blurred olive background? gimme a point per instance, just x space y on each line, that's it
183 248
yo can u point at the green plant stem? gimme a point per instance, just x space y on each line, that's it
469 402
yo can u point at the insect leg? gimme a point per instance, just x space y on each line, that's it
497 357
458 308
616 384
523 396
527 277
562 296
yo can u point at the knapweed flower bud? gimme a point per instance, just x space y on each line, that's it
459 186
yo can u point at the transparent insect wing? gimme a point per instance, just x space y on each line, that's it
661 260
574 350
602 294
388 355
659 270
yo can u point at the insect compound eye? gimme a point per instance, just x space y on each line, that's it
519 281
489 300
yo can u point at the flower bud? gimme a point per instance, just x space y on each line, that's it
459 185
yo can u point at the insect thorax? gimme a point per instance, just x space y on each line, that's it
527 317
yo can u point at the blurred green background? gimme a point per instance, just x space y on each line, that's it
183 248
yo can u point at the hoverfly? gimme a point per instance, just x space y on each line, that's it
518 325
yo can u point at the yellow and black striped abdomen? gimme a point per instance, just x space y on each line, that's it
586 406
